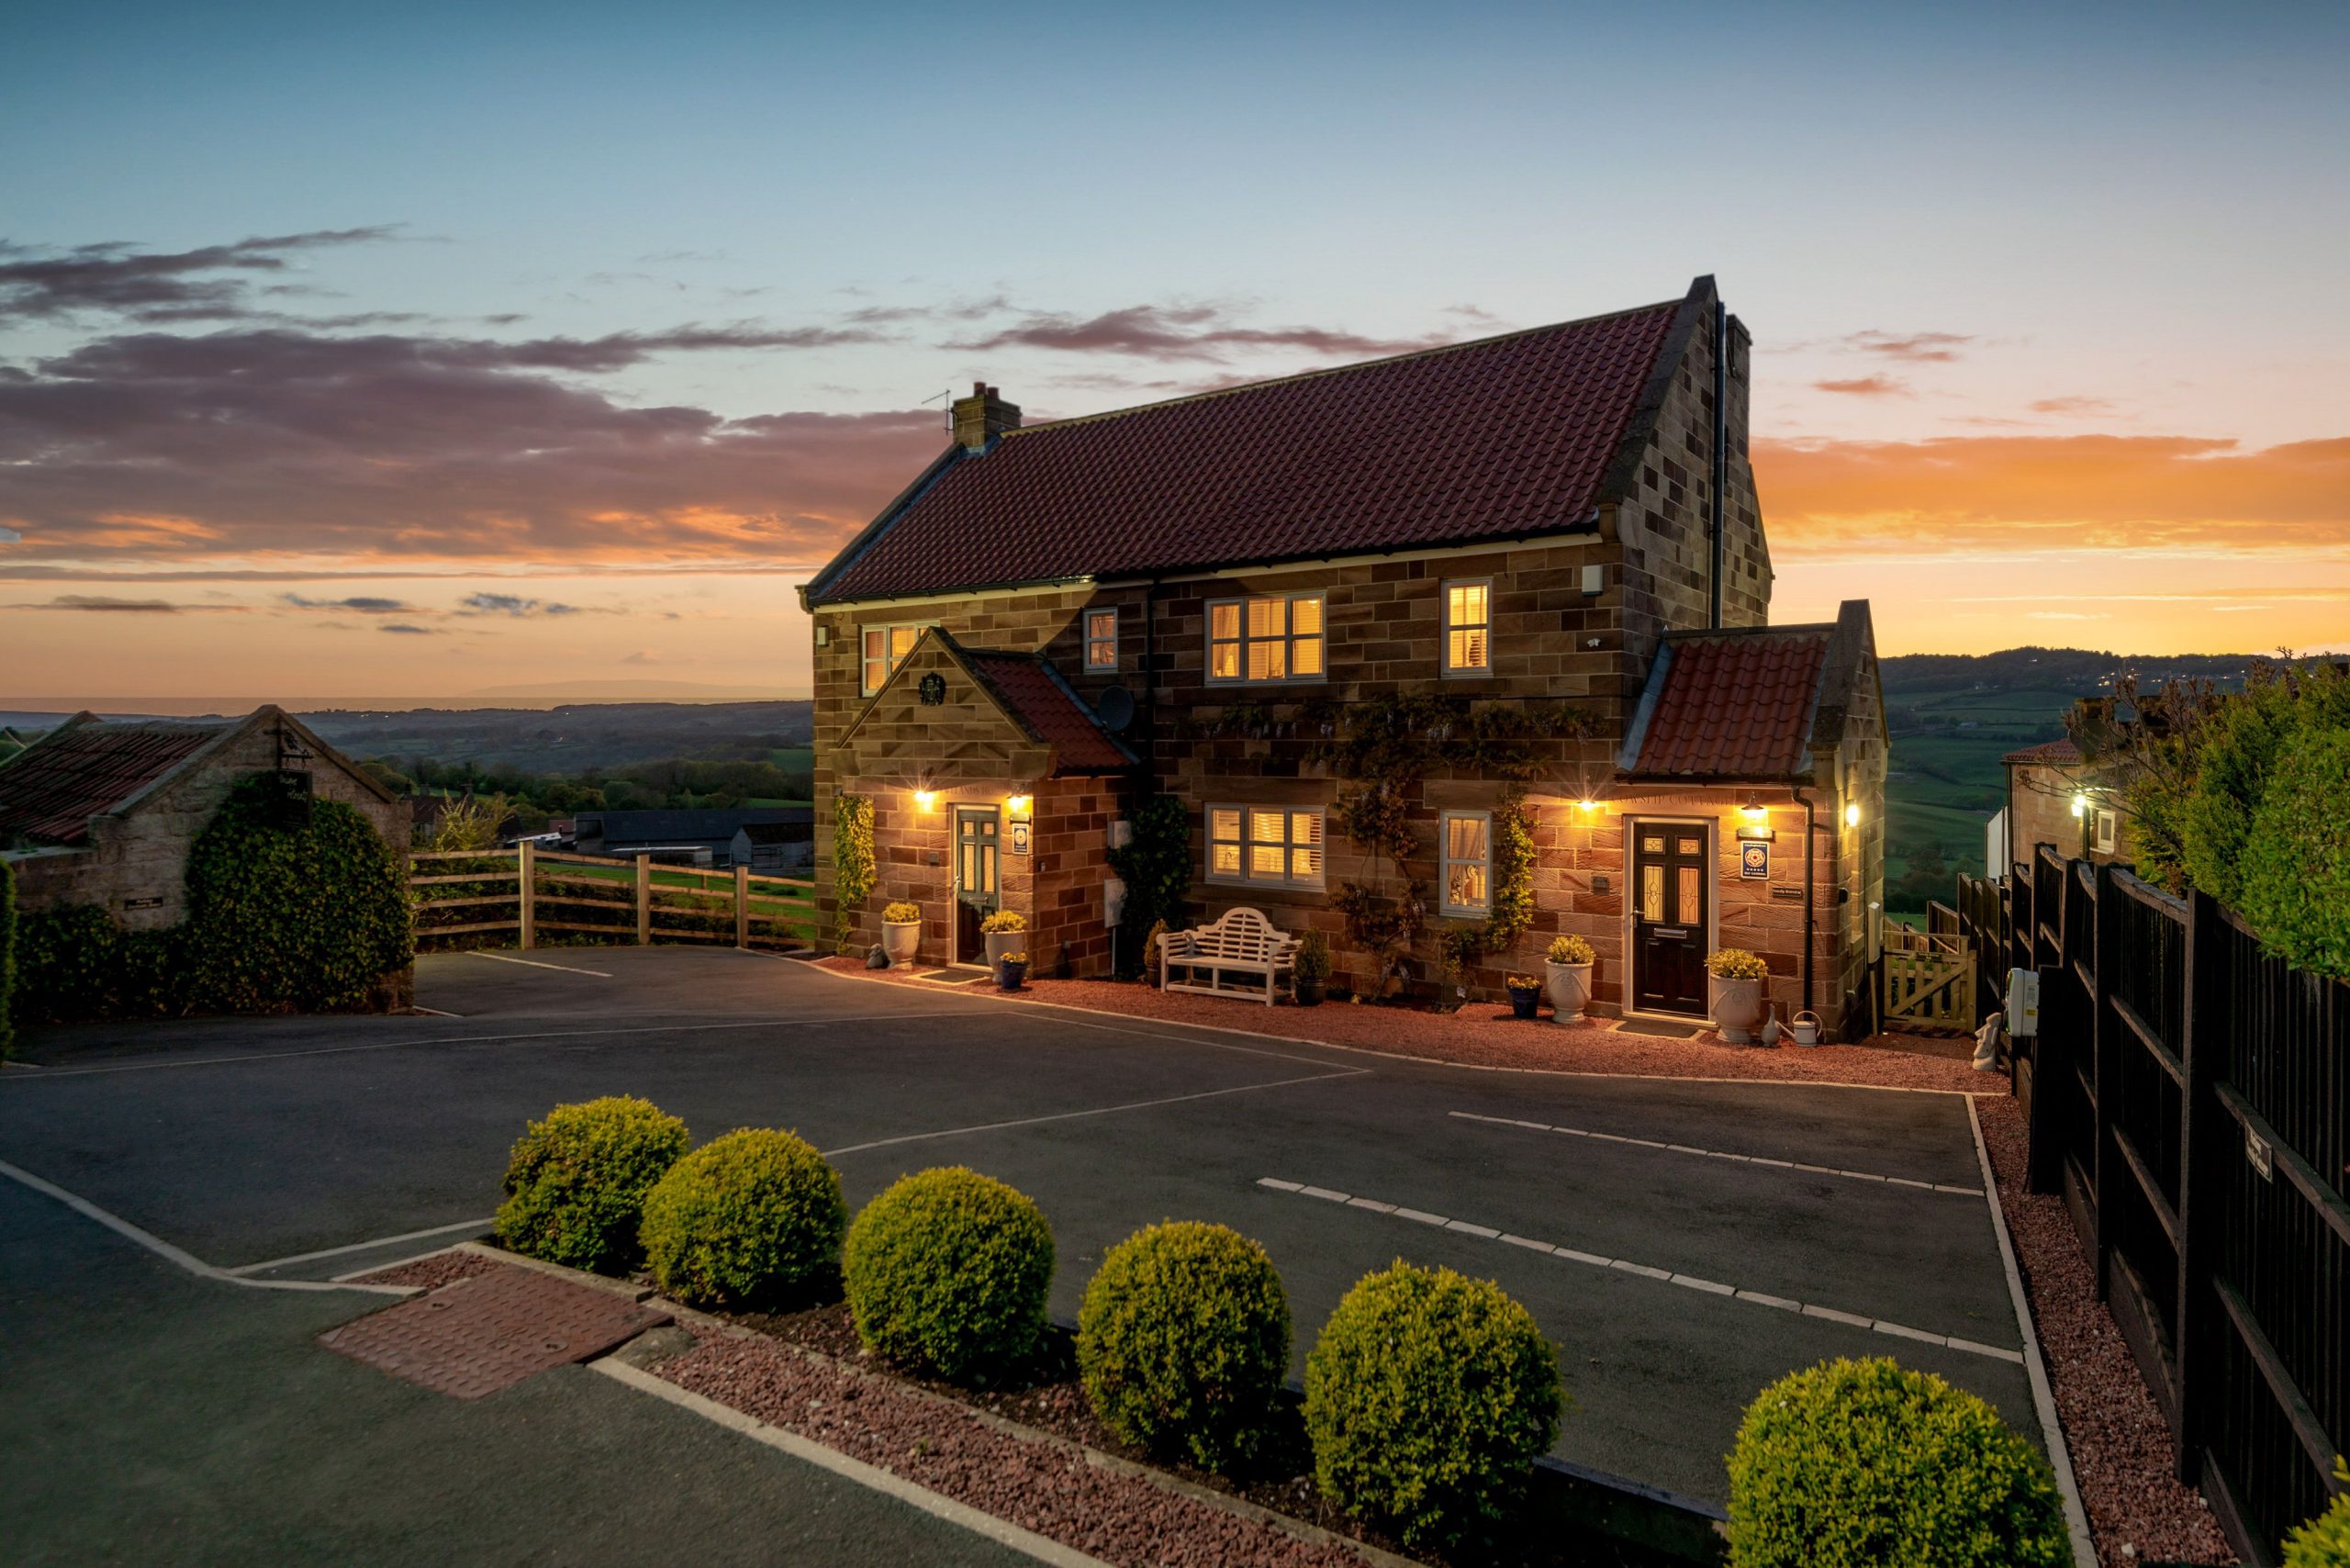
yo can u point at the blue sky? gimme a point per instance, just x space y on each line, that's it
2128 222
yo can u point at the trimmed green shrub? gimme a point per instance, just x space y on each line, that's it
2324 1542
1862 1463
949 1270
745 1220
8 958
576 1183
1429 1397
1182 1340
74 962
2294 871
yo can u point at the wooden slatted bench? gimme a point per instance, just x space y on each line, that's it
1240 942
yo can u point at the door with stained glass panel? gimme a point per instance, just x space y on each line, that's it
1671 884
977 870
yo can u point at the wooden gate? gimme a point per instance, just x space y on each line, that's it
1929 980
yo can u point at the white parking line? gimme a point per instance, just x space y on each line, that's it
1098 1111
1646 1270
486 1040
533 963
177 1255
473 1225
1721 1154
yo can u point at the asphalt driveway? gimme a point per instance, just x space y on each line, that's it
1696 1240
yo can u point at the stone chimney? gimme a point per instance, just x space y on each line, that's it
982 416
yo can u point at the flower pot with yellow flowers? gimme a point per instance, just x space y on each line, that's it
1566 975
1004 931
1735 982
902 933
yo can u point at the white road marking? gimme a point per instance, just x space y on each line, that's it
488 1040
533 963
176 1255
1645 1270
472 1224
432 1012
2044 1398
1098 1111
1721 1154
854 1470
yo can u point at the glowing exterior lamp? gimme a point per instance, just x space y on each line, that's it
1586 805
1753 808
2081 805
925 799
1853 814
1018 805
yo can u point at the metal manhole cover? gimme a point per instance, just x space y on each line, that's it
477 1335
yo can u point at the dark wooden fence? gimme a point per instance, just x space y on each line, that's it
2190 1097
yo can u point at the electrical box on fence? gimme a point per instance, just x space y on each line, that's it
1113 901
2023 1002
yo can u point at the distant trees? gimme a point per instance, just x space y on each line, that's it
534 798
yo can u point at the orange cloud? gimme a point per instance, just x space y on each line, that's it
1866 386
2005 493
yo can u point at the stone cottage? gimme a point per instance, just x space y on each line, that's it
104 813
1515 591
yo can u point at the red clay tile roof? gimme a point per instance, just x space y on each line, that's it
1507 436
1043 704
50 791
1737 705
2056 753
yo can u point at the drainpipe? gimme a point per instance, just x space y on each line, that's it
1721 457
1810 880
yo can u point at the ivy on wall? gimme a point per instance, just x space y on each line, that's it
1511 910
853 872
294 905
1156 866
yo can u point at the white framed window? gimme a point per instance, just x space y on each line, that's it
1278 637
2107 830
882 649
1469 627
1265 846
1468 862
1102 639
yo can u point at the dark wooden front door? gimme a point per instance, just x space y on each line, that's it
977 893
1672 872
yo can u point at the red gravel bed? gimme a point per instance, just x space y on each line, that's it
1037 1486
2119 1443
1485 1034
431 1274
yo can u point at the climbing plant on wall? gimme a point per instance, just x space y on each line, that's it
1156 866
852 862
1511 908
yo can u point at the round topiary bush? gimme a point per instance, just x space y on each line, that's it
949 1270
745 1220
1182 1340
1429 1397
1863 1463
576 1183
2295 869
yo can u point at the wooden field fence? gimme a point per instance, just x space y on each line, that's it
2188 1095
528 897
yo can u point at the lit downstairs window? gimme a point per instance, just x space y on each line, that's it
1468 862
1265 846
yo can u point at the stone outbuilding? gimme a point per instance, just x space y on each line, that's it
104 813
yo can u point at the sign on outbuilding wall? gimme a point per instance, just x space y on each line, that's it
1755 861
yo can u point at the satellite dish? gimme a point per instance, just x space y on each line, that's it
1115 710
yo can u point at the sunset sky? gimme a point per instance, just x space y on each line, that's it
425 352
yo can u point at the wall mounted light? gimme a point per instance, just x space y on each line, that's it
1853 814
1586 805
925 799
2080 805
1752 808
1017 805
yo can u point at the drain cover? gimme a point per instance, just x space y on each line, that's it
489 1332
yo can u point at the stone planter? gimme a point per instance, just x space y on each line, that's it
1737 1008
1570 989
1010 976
900 942
1002 942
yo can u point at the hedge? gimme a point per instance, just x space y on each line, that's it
745 1220
576 1183
949 1270
1182 1340
293 906
1867 1465
2324 1542
2294 872
1429 1397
